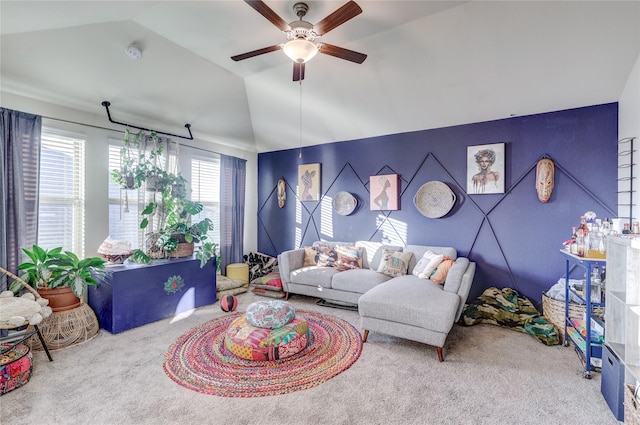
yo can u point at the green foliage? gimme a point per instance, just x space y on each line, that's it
137 163
168 218
54 269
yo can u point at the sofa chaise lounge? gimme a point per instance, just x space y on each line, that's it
406 305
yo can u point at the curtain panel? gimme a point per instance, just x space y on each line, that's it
233 172
19 178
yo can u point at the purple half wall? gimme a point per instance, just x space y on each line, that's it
513 237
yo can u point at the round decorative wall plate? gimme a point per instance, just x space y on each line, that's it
344 203
434 199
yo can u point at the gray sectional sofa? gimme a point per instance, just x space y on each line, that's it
405 306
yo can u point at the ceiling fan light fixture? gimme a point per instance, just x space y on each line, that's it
300 50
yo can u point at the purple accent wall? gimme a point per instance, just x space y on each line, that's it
513 237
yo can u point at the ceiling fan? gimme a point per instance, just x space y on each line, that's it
301 35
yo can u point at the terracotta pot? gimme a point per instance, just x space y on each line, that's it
60 299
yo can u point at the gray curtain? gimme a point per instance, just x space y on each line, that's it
19 177
233 172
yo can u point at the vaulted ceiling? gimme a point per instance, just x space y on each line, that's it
430 64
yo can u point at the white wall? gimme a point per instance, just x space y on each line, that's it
96 196
629 126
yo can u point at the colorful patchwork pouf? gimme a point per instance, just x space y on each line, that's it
265 343
15 367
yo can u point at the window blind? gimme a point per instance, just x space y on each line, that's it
205 188
124 205
61 206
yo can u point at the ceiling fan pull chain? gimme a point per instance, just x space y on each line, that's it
300 154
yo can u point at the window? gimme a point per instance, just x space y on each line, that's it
202 171
205 188
61 205
124 205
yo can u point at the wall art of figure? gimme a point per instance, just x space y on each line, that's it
545 173
309 182
384 192
282 193
485 169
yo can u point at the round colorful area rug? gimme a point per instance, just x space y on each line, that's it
199 360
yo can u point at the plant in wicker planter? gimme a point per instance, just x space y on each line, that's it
54 271
175 235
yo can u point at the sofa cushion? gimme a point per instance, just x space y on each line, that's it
314 276
427 264
357 280
349 257
419 250
412 301
454 277
394 263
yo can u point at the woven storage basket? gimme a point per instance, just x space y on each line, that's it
67 328
553 311
182 250
631 408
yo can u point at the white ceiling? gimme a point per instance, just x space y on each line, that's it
430 64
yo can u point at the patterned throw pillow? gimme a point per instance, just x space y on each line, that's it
310 254
349 257
427 264
440 274
326 256
394 263
260 264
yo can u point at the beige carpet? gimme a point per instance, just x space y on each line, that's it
490 376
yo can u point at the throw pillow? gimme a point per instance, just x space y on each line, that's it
440 274
349 257
394 263
260 264
427 264
326 256
310 254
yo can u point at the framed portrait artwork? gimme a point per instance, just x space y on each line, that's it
383 192
485 169
309 182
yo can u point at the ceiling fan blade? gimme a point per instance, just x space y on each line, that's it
342 53
298 71
268 13
339 17
256 52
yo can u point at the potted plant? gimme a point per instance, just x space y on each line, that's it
173 234
60 276
139 157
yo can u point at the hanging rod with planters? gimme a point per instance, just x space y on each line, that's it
106 105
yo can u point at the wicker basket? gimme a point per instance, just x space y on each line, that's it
553 311
183 250
631 408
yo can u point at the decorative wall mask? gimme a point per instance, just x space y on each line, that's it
545 171
282 192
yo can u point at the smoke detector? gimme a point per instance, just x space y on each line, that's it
134 52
